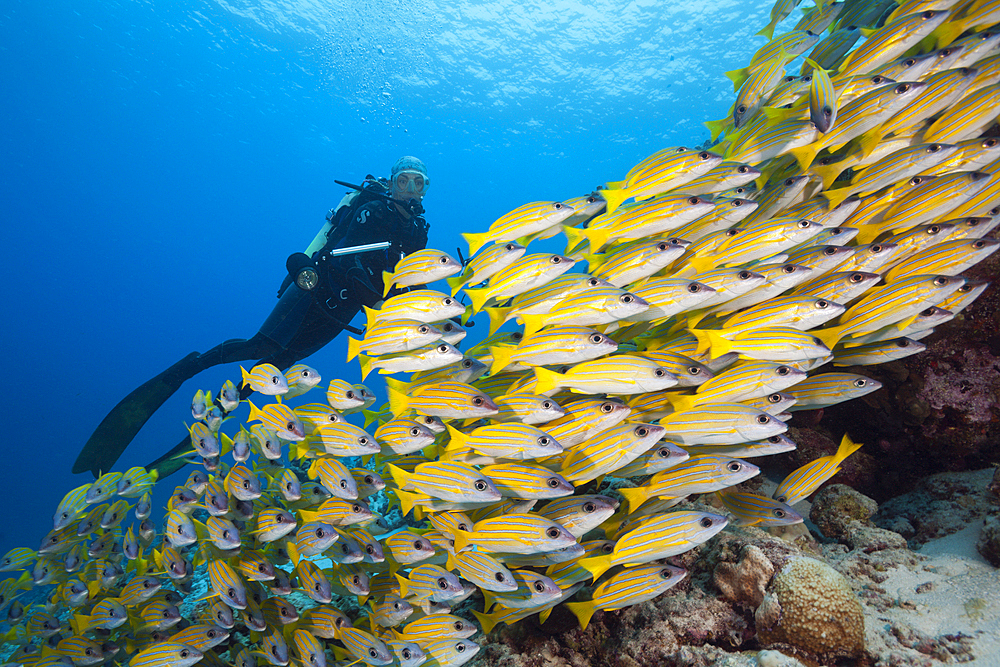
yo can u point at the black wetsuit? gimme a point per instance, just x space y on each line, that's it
299 325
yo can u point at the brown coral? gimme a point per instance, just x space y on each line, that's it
746 580
811 608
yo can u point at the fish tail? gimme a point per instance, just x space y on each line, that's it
80 624
835 197
478 296
498 316
711 341
847 447
583 611
371 416
302 448
830 336
400 476
246 376
353 348
532 323
461 540
371 315
309 516
366 365
476 241
293 552
829 173
777 115
805 155
501 357
486 620
596 565
387 281
716 127
635 496
398 400
869 141
456 282
449 562
575 238
255 414
767 31
738 76
457 440
615 198
948 32
546 380
404 585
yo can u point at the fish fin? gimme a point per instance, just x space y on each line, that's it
398 400
583 611
716 127
805 155
449 562
461 540
478 296
80 624
353 348
777 115
575 238
476 241
682 402
546 380
308 516
847 447
501 357
387 281
544 615
596 565
615 197
835 197
711 341
532 323
635 496
489 599
830 336
404 587
406 500
456 442
869 141
371 315
498 316
456 282
830 173
400 476
767 31
946 33
366 365
246 376
485 620
738 76
293 552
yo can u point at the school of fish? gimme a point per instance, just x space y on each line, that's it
828 227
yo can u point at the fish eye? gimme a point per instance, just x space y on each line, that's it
231 592
859 383
414 431
774 398
349 394
901 88
373 653
693 288
509 247
704 155
744 275
940 281
555 259
903 342
480 485
817 341
552 532
662 245
779 513
706 522
423 328
741 109
466 363
763 419
694 370
405 653
369 479
788 268
443 348
538 586
875 249
928 14
442 583
460 648
417 544
543 441
742 169
990 143
693 200
856 277
343 483
356 508
344 549
477 401
557 206
627 298
979 244
607 407
822 304
552 482
734 466
369 549
933 148
641 431
448 301
830 250
736 203
593 282
789 182
659 372
804 224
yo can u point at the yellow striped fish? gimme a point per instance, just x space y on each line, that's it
804 481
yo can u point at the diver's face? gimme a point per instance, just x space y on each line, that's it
408 185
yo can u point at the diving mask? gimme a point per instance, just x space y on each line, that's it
411 183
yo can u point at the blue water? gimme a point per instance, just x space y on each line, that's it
159 160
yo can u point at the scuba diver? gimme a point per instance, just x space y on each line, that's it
367 233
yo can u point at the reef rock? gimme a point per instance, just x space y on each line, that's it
746 580
843 514
811 609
